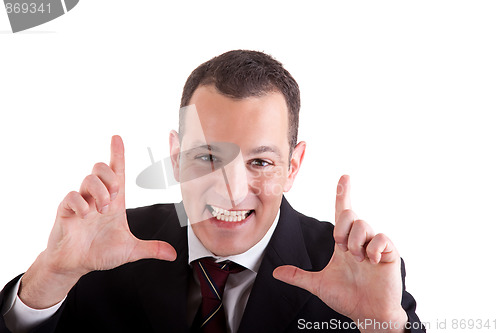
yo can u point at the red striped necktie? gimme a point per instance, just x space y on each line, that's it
213 277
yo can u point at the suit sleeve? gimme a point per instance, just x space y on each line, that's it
47 326
3 300
409 305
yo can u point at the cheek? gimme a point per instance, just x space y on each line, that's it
268 185
194 170
194 189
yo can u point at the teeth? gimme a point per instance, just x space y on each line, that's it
229 216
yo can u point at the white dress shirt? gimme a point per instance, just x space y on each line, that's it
20 318
238 285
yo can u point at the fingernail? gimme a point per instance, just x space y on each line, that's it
114 195
340 189
104 209
360 258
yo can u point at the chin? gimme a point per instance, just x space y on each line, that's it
226 244
230 251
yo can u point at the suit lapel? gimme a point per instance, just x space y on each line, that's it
272 304
163 286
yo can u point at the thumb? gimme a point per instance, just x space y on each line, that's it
153 250
297 277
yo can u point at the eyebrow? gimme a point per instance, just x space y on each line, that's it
201 147
266 149
255 151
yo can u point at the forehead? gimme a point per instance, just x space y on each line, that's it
247 122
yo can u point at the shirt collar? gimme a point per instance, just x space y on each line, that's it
251 259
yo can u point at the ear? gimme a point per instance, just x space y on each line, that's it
295 163
175 149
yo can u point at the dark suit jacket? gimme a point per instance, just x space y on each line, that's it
151 295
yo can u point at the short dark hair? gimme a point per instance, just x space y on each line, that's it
243 73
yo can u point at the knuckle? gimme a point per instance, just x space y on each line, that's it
72 196
95 187
85 209
102 196
356 250
62 205
99 167
347 213
90 179
114 185
382 237
354 241
70 199
339 236
344 226
346 217
364 227
359 224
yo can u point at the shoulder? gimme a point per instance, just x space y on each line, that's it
318 239
316 231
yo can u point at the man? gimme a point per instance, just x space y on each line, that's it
272 268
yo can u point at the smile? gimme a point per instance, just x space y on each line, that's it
225 215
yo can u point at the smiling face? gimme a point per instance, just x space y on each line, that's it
233 165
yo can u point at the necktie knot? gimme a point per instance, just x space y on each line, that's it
213 277
225 266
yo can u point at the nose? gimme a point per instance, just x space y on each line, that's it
232 185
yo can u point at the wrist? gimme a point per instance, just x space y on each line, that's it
43 286
393 323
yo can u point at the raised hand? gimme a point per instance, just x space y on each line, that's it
363 278
90 233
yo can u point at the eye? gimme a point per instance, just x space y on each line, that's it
260 163
207 158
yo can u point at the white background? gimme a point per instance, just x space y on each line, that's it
402 96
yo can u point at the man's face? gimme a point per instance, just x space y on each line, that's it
234 167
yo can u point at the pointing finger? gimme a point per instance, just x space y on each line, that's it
117 162
343 199
343 227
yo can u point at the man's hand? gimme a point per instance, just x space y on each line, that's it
363 278
90 233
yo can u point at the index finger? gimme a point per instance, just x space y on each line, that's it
343 200
117 162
